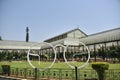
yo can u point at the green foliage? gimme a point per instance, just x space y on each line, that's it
100 68
100 65
6 69
102 52
109 53
118 51
114 53
0 38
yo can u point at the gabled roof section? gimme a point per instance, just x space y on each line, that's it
66 34
74 30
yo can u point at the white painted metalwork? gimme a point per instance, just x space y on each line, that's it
79 67
28 59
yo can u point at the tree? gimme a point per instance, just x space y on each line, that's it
118 52
15 55
4 55
102 52
91 54
0 38
9 56
113 53
0 56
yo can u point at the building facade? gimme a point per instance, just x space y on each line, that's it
71 39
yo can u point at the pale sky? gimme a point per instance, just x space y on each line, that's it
49 18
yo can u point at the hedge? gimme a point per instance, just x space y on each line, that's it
100 68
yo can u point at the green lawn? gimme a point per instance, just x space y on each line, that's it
24 64
60 66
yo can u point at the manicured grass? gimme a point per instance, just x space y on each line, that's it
25 64
61 66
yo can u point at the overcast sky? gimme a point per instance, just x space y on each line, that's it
48 18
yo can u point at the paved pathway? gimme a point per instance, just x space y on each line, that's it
7 78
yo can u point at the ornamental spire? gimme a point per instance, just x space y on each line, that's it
27 34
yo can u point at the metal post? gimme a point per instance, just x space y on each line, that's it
25 72
36 73
16 72
95 52
76 76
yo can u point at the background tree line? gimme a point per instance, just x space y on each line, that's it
111 53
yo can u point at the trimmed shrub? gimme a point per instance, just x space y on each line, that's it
6 69
100 68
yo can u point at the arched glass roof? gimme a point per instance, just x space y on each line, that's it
8 44
106 36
